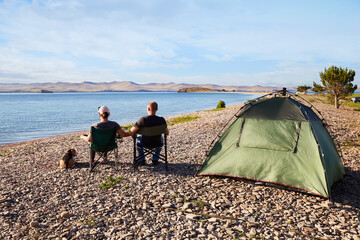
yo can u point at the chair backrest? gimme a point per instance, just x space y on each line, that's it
103 139
152 131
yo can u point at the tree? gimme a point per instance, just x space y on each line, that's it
317 88
303 88
337 81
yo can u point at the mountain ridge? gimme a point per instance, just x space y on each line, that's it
123 86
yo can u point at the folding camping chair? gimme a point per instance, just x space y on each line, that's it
151 131
103 142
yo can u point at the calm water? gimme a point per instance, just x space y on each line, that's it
28 116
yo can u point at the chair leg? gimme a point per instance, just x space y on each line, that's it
96 162
165 149
116 158
134 161
91 159
91 163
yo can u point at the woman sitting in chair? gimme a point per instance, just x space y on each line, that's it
104 114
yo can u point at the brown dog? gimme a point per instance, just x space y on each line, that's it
68 159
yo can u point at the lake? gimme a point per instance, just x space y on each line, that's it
28 116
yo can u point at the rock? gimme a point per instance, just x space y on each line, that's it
201 230
328 204
191 216
34 224
210 227
187 205
168 205
65 214
213 220
144 206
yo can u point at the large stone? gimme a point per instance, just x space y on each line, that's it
34 224
65 214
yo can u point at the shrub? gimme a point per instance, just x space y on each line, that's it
221 104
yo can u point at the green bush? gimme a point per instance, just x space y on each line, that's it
221 104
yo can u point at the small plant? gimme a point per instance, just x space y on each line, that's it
215 109
201 219
6 152
126 128
90 222
173 196
110 182
349 143
182 120
242 234
221 104
200 203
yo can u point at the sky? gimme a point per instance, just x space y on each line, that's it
226 42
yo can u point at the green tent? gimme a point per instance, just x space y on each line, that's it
277 140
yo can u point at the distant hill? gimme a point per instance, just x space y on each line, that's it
125 86
196 89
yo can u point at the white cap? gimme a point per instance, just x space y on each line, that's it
103 109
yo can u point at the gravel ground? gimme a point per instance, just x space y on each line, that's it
41 201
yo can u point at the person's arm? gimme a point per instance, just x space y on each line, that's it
86 138
133 130
122 133
167 131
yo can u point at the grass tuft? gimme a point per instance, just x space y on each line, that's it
126 128
182 120
6 152
110 182
215 109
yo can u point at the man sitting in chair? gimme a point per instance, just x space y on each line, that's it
149 141
104 114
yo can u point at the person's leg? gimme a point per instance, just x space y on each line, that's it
140 151
156 156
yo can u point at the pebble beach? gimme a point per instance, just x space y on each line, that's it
40 200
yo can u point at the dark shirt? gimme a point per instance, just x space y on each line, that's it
151 121
108 124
